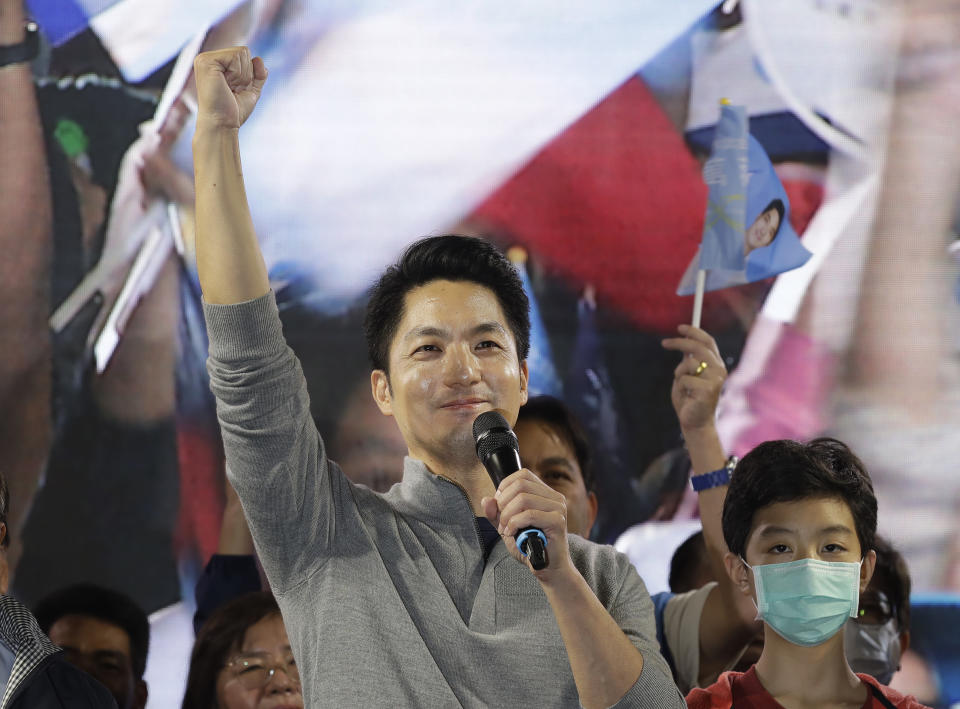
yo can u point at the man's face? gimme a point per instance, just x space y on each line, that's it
815 528
367 445
762 232
812 528
551 458
452 358
102 650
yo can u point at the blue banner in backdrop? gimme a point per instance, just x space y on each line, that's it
61 20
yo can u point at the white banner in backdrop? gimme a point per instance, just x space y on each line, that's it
397 123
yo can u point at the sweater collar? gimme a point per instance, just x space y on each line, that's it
431 497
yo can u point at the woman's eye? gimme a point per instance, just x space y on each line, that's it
779 549
833 548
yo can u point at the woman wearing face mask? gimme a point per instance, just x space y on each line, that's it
800 522
879 636
242 659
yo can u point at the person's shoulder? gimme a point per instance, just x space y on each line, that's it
60 685
591 557
717 696
898 699
605 569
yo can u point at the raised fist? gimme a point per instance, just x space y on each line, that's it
228 86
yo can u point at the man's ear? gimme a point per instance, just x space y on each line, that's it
524 381
594 504
380 386
140 694
738 573
866 569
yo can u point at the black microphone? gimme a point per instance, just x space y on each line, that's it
499 451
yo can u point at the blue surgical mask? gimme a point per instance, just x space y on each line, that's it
807 601
873 648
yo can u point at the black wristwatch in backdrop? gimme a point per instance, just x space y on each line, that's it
24 51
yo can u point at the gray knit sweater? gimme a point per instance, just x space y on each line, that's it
387 598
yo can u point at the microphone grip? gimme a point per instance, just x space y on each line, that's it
531 541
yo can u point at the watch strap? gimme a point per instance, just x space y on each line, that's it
715 478
24 51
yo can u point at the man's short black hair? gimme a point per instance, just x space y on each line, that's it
787 471
555 413
103 604
451 258
688 563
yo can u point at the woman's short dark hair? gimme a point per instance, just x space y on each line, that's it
787 471
451 258
892 576
219 638
555 413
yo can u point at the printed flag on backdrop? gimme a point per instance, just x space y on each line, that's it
726 253
140 35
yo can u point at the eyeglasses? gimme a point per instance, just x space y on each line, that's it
255 671
875 608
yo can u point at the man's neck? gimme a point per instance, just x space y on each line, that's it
808 676
470 476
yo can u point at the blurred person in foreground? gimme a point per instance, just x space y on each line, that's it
69 199
431 598
104 633
34 673
242 659
800 520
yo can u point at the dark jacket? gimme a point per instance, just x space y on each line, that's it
41 678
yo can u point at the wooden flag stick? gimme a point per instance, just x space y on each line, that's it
698 297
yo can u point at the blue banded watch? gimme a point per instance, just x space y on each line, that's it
715 478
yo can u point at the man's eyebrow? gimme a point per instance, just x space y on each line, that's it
556 460
431 331
773 530
488 327
425 331
110 654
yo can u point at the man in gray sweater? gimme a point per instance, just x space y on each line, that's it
406 598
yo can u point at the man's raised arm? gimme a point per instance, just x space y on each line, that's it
726 623
229 262
276 460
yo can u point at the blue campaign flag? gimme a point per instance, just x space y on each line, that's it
725 174
768 257
543 374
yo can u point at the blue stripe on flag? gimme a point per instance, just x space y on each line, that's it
62 20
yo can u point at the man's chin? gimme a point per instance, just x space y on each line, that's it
458 445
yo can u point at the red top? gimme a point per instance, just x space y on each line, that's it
743 690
